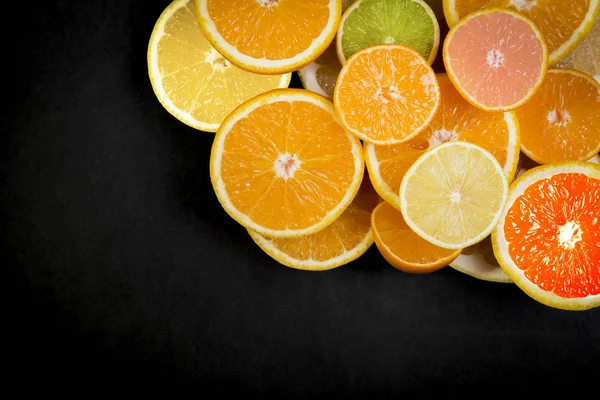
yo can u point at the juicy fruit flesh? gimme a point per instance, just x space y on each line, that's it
387 93
553 234
276 31
496 58
454 195
287 164
402 241
562 120
456 119
388 21
196 78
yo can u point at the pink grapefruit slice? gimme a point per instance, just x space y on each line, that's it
496 58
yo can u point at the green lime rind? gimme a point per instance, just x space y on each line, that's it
372 22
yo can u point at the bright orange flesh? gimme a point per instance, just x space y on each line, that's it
402 247
562 120
497 59
386 94
275 32
553 234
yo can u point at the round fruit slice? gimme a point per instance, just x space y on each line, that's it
479 262
270 36
548 239
456 119
403 248
192 81
386 94
586 56
282 164
453 195
496 58
562 120
371 22
345 240
562 23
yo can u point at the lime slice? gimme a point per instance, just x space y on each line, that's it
370 22
586 56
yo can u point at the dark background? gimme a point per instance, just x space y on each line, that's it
122 272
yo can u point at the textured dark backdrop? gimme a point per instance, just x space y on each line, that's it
122 269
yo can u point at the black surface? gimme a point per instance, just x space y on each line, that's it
123 272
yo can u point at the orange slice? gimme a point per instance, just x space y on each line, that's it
345 240
386 94
496 58
562 121
282 165
564 23
402 247
548 239
270 36
456 119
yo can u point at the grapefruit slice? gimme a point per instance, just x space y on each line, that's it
496 58
453 195
386 94
562 120
269 36
402 247
548 239
282 165
564 23
456 119
345 240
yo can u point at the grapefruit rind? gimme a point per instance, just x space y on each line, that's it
264 65
500 245
456 82
244 110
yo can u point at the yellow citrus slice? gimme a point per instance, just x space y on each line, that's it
453 194
270 36
586 56
456 119
192 81
563 23
386 94
402 247
496 58
562 120
345 240
548 238
282 165
478 261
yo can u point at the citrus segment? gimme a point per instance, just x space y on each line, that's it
496 58
371 22
453 194
586 56
192 81
403 248
562 121
562 23
269 36
548 239
456 119
282 164
346 239
386 94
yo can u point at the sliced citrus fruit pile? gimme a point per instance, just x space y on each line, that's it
371 22
402 247
562 23
548 239
562 120
586 56
270 36
497 59
386 94
346 239
191 79
456 119
282 164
